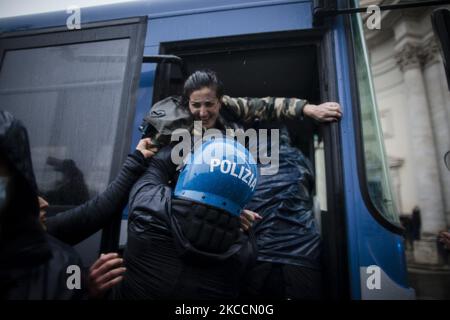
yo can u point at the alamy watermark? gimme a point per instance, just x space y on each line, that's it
74 277
374 20
373 281
263 145
73 21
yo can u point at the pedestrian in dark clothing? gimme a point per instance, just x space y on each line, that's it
32 264
416 223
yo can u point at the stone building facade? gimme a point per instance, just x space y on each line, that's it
414 106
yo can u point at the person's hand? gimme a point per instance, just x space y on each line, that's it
247 219
105 273
325 112
444 238
146 148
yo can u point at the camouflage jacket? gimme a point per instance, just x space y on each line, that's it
168 115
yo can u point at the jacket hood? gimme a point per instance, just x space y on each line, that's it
22 239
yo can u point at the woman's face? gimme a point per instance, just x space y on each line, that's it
205 106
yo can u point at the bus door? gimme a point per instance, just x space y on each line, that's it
376 258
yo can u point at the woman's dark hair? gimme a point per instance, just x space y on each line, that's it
201 79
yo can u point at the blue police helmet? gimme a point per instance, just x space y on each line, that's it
220 173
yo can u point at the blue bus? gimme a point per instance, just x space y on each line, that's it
82 93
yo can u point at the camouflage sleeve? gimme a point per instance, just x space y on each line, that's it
268 109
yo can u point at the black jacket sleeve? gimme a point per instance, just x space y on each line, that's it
75 225
150 197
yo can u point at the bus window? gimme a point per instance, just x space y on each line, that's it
75 92
376 170
69 99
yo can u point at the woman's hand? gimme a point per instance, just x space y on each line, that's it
247 219
444 238
146 147
325 112
104 274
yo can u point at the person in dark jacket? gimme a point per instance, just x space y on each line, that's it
287 236
33 264
176 248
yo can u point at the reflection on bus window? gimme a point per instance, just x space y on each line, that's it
68 97
377 172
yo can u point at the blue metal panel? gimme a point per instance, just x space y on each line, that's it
150 8
368 242
230 22
349 160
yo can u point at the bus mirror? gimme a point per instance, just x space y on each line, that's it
440 19
171 72
166 58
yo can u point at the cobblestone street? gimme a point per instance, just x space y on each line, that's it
430 283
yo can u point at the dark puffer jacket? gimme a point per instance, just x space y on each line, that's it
33 264
164 257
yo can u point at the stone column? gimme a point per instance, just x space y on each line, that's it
424 154
437 93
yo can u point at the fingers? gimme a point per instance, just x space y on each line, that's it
110 284
146 147
106 272
147 153
103 258
325 112
446 234
251 214
247 219
105 265
329 119
111 275
333 109
245 224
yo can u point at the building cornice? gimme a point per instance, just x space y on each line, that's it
389 19
418 55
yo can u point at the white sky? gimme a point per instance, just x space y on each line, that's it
9 8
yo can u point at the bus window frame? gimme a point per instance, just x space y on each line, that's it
133 29
359 143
